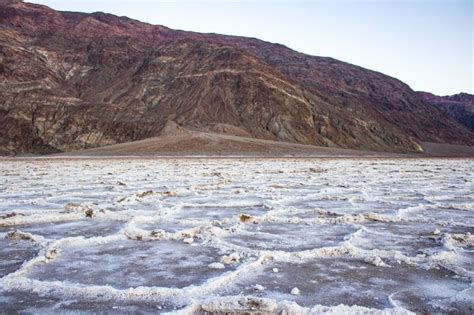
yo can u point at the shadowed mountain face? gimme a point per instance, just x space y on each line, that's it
71 81
459 106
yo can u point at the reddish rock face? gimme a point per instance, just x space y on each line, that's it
72 81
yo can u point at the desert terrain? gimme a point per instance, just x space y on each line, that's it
204 235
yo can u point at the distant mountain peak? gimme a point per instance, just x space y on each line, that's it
459 106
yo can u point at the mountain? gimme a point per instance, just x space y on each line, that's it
459 106
71 81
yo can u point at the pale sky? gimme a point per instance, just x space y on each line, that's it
428 44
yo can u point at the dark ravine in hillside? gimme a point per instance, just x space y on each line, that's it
71 81
459 106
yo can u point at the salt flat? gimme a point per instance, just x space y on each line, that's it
229 235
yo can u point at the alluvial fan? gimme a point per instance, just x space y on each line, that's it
204 235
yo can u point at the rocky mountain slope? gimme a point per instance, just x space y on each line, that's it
72 81
459 106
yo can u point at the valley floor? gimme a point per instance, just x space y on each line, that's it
197 143
194 235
